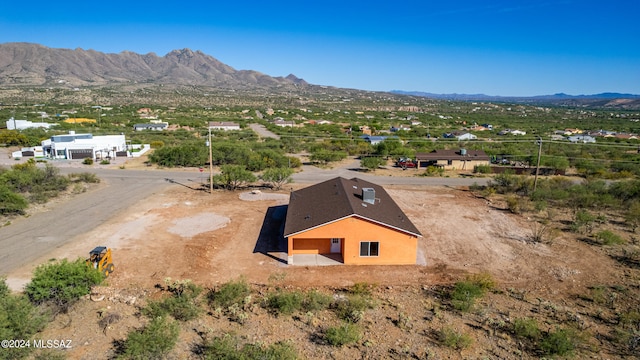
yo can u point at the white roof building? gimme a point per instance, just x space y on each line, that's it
13 124
80 146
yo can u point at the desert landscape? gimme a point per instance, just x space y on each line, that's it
211 239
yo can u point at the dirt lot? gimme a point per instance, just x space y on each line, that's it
211 239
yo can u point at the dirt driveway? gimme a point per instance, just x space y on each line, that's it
210 239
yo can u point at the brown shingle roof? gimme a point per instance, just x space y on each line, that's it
339 198
477 155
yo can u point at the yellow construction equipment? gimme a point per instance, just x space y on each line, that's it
100 258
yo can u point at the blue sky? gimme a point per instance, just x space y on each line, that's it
509 48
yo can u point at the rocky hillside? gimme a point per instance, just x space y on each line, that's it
33 64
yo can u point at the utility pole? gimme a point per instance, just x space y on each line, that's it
535 181
210 163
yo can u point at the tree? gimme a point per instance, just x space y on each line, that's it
276 177
632 217
371 162
62 283
234 176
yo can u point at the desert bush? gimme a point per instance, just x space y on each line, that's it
608 237
62 283
233 292
85 177
465 292
11 203
433 171
285 302
559 342
482 169
316 301
277 177
87 161
351 308
227 347
347 333
583 220
152 342
372 162
19 319
526 328
183 304
454 339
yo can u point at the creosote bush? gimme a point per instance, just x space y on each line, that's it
62 283
152 342
454 339
233 292
347 333
465 292
183 304
228 347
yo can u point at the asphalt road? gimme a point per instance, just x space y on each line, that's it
27 239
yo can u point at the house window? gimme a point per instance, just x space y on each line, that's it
449 162
369 248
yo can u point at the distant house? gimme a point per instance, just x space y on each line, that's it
466 136
400 127
518 132
374 139
354 221
224 125
151 126
80 146
284 123
13 124
453 160
582 139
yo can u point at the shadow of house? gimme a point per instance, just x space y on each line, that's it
270 241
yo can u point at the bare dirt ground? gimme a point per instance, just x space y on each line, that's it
210 239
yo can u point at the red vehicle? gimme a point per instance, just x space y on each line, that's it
406 163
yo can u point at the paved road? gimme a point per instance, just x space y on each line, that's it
27 239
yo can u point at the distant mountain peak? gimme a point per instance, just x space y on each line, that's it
34 64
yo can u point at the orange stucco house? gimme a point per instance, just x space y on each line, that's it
355 219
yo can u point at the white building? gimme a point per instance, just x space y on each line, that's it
13 124
223 125
581 139
80 146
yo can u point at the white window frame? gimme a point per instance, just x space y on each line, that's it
377 248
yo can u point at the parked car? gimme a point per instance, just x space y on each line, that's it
406 163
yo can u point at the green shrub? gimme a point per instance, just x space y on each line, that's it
351 308
607 237
87 161
482 169
105 162
433 171
19 319
154 341
559 342
347 333
233 292
228 348
11 203
316 301
183 305
465 292
285 302
526 328
85 177
454 339
62 283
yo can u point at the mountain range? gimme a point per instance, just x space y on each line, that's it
28 64
627 101
37 65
